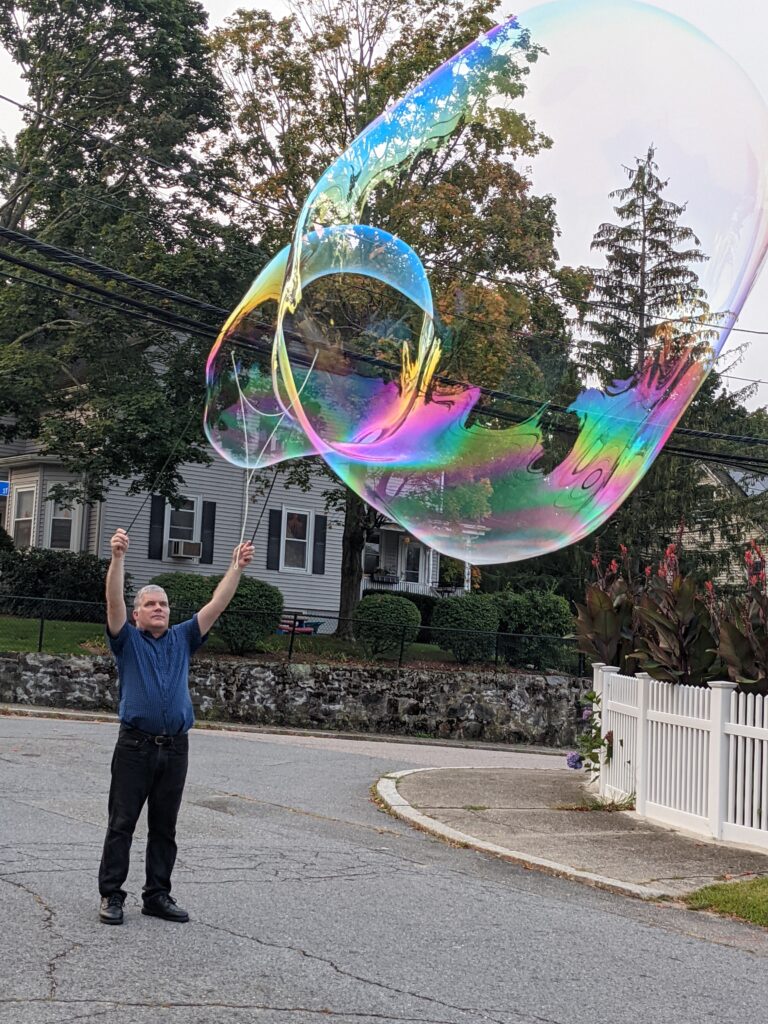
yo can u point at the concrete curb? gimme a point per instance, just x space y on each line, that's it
387 791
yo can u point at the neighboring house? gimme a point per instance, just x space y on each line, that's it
297 541
730 484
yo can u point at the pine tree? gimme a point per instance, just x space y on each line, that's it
648 277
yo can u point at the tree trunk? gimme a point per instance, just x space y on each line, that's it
353 544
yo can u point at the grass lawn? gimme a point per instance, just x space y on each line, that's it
58 637
747 900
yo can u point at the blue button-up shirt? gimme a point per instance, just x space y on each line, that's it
154 677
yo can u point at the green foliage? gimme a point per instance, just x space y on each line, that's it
533 616
649 256
606 624
426 604
385 621
594 748
67 576
252 616
743 643
6 544
678 638
466 626
744 629
657 621
114 169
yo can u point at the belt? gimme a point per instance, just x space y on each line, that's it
158 740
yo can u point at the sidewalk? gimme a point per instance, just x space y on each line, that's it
522 815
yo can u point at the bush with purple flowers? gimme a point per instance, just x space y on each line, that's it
594 748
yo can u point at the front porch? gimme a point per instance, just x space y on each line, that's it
394 562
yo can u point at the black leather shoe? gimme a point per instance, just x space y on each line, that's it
111 909
164 906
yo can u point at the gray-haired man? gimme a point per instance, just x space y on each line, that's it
149 764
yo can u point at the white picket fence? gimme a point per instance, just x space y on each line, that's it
693 757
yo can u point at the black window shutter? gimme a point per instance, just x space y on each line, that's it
273 538
207 531
318 546
156 526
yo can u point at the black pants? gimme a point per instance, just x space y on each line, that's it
143 772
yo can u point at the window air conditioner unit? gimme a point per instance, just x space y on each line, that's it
184 548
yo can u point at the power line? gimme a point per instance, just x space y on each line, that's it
737 461
167 318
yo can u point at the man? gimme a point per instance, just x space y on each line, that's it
149 764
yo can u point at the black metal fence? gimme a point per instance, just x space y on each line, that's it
53 625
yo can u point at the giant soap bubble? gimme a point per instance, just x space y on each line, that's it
337 349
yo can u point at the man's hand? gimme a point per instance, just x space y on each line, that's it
242 555
119 544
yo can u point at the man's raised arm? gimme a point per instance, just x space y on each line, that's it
225 591
116 615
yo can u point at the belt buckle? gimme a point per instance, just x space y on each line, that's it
162 741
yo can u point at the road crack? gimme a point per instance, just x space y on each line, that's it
473 1011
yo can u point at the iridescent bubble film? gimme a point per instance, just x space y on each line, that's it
337 350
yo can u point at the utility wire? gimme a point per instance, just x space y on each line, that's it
110 273
737 461
173 320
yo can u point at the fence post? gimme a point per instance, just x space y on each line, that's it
641 748
402 647
42 630
599 672
718 751
294 627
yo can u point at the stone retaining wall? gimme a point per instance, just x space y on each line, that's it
515 707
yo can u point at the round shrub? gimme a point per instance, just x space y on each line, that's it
253 613
466 625
536 616
425 603
384 621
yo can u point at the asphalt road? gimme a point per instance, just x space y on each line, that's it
310 904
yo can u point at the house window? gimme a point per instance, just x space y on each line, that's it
371 559
413 559
182 520
183 533
62 521
23 513
296 529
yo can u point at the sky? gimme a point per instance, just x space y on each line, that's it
738 32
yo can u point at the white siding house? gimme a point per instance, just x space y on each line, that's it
297 540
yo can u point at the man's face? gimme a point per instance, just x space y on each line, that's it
153 613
